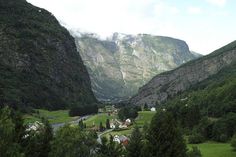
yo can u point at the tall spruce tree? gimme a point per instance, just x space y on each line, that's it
108 124
164 137
135 144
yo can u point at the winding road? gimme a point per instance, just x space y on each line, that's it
100 135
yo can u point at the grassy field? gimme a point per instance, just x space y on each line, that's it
213 149
144 116
96 119
60 116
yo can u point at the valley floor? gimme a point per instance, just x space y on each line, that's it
208 149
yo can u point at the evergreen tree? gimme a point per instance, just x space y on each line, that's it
107 124
8 145
47 138
233 142
110 148
81 124
135 144
72 142
145 107
164 137
101 127
37 142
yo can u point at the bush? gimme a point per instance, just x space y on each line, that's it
195 152
128 112
83 110
233 142
195 138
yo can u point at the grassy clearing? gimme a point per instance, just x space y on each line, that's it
144 117
213 149
60 116
96 119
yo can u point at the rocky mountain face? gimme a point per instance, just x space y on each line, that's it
169 84
121 64
39 63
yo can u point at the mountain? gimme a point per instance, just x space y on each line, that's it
121 64
191 74
39 63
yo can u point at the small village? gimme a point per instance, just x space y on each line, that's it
113 125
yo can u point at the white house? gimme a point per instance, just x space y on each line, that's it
116 139
121 139
112 126
153 109
127 121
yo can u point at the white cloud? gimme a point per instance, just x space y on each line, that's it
157 17
217 2
194 10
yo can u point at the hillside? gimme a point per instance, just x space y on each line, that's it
216 96
39 64
121 64
169 84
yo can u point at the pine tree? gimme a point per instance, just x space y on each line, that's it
81 124
135 144
8 135
100 127
107 124
145 107
164 137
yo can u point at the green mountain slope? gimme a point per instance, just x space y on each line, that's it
39 63
118 66
216 95
169 84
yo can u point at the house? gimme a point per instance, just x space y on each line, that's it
121 139
128 122
153 109
116 139
112 126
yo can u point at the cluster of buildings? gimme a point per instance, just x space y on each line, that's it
121 139
116 124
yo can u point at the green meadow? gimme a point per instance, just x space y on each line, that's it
59 116
144 117
213 149
96 119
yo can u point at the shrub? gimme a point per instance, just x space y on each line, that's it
195 152
195 138
233 142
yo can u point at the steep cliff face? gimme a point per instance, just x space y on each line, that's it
121 64
39 63
168 84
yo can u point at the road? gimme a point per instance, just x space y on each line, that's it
58 125
100 135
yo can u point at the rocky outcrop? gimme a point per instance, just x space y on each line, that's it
39 63
168 84
121 64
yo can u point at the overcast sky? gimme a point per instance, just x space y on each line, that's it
204 24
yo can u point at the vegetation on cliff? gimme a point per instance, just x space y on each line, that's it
39 64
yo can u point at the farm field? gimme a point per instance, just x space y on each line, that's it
144 117
59 116
96 119
213 149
